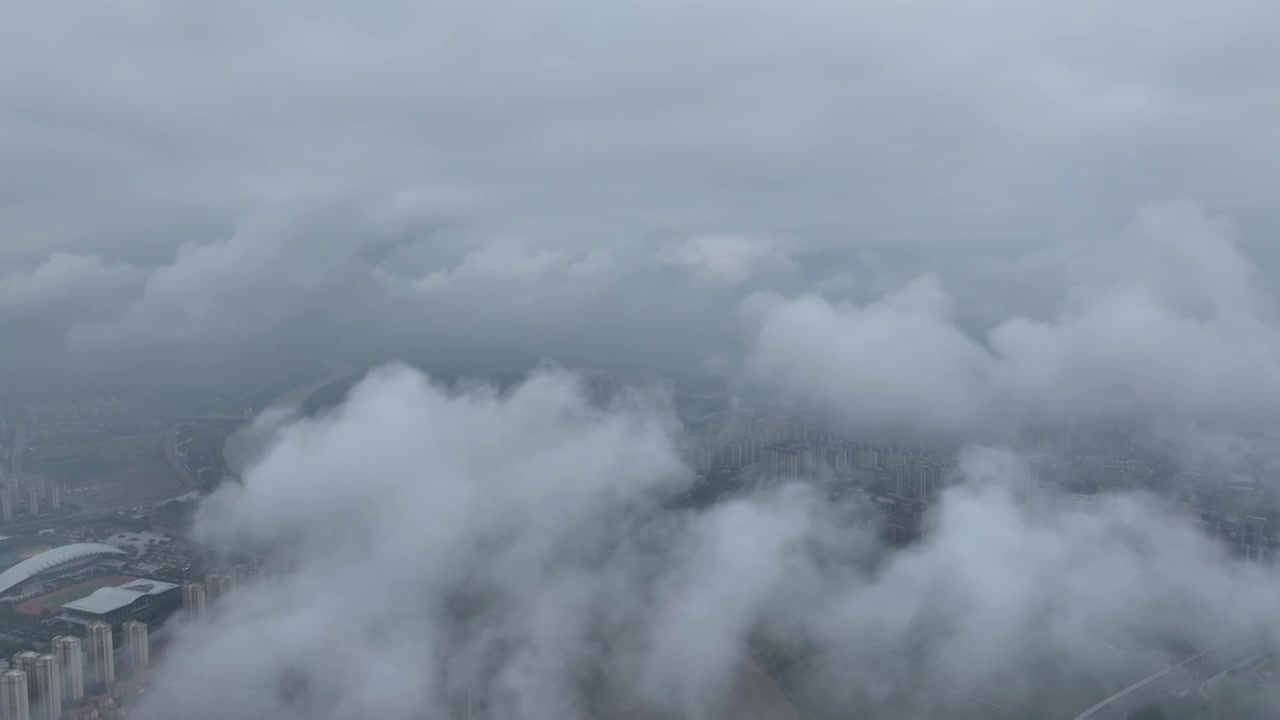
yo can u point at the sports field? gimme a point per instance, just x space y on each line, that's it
57 598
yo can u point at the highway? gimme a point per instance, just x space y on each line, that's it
1174 681
200 418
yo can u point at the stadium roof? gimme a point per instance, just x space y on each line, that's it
104 600
51 559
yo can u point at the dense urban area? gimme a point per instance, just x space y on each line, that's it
97 493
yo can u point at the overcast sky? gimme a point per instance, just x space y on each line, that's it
952 217
465 181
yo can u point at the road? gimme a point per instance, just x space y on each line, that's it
199 418
1173 682
186 480
299 395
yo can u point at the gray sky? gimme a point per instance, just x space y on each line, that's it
438 179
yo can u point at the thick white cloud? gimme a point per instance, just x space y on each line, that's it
1166 322
432 545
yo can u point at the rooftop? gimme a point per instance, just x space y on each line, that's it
107 599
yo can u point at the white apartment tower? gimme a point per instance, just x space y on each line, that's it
14 704
218 585
46 701
137 649
26 662
71 661
101 653
6 498
194 600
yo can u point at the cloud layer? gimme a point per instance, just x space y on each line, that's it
1167 324
433 545
571 181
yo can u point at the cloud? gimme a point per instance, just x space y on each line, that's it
432 546
1028 603
723 259
66 284
769 159
1165 323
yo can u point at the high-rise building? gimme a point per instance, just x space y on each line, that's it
193 600
218 585
71 660
46 701
55 496
6 499
137 649
14 704
33 498
101 654
26 662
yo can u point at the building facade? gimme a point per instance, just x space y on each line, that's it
102 654
194 600
14 704
137 648
218 585
46 701
71 661
6 500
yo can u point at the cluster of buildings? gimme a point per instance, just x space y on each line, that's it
793 449
46 411
197 597
83 675
1248 535
735 440
738 449
29 493
62 684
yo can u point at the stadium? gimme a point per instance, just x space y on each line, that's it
78 583
14 550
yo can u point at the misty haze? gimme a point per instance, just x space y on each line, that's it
703 360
